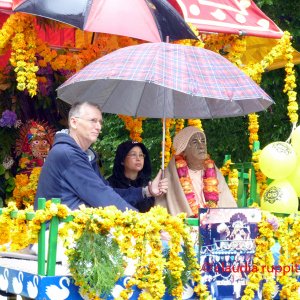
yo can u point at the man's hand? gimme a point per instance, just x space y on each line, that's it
158 186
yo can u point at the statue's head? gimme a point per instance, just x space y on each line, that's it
191 143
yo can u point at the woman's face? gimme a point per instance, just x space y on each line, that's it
134 160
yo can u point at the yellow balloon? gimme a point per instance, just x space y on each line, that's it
277 160
280 197
294 179
295 140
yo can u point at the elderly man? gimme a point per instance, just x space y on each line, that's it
71 172
194 180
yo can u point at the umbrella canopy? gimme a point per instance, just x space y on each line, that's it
149 20
162 80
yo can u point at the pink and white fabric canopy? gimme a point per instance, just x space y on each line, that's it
228 16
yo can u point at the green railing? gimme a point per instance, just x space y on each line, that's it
46 265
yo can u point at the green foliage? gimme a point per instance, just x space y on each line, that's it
113 133
96 263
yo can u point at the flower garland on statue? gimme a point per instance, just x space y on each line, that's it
210 184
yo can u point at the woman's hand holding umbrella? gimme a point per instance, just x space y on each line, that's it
158 186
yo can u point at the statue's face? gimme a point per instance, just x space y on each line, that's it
196 148
39 147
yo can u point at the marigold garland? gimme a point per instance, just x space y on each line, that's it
138 236
288 238
290 80
134 232
263 257
253 128
225 170
23 51
134 126
168 141
261 178
179 125
233 183
196 123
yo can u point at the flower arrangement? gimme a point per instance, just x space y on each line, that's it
25 188
138 237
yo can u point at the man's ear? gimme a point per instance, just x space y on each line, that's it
73 123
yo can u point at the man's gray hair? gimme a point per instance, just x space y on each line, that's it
76 108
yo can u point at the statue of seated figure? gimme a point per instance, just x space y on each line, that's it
194 180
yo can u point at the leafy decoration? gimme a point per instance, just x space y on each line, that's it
96 263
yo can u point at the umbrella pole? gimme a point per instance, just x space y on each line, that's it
163 148
164 133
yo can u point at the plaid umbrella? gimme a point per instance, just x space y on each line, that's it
162 80
149 20
166 80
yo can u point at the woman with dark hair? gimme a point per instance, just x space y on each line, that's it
132 167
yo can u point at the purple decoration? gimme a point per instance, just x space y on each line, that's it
8 118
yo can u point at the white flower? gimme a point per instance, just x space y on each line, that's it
8 162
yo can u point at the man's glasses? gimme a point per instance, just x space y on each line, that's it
92 121
136 155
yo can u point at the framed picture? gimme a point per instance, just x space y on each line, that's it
226 249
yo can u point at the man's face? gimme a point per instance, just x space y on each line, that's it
196 148
87 124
